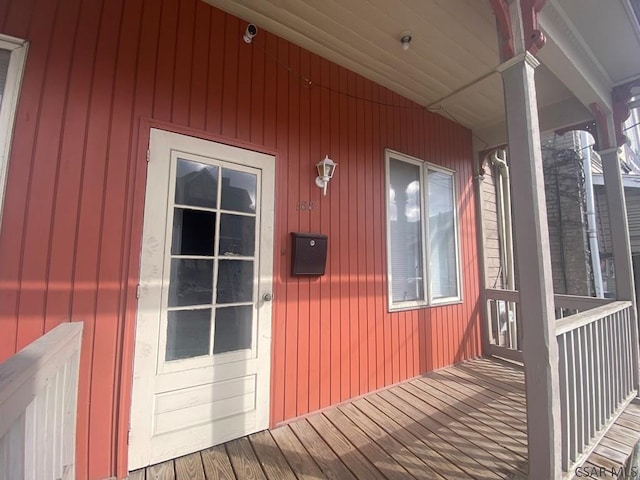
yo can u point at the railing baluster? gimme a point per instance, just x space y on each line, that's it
602 372
629 329
592 384
563 361
626 337
580 386
616 359
573 433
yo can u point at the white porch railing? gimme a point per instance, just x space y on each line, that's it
596 375
38 395
505 329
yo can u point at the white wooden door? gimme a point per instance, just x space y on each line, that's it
203 332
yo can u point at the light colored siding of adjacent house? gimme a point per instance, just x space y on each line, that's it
632 198
494 276
98 75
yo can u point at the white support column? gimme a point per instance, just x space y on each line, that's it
540 348
620 242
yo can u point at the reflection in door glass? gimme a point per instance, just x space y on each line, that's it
193 232
237 235
191 282
238 191
196 184
235 281
233 328
188 333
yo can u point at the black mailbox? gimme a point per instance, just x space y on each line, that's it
308 253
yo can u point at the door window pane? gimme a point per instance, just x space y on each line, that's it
193 232
237 235
442 236
405 228
238 191
196 184
233 328
235 281
191 282
188 333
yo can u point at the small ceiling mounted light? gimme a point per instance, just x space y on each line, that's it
405 39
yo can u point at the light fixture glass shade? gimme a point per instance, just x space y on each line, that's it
326 168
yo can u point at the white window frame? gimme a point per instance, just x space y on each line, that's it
426 250
18 49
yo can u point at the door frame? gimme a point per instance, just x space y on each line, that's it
256 158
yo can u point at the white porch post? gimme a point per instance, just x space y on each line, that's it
540 348
620 242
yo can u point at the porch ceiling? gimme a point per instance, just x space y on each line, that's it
454 44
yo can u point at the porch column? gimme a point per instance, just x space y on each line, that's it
540 348
620 242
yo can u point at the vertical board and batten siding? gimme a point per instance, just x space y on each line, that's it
99 73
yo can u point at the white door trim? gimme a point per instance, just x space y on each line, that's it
147 374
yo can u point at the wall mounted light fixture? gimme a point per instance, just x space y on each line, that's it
326 167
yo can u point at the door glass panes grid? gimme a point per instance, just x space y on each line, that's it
213 261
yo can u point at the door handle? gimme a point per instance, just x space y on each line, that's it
267 297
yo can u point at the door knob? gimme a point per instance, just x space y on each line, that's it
267 297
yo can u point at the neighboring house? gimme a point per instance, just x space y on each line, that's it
158 155
566 192
631 182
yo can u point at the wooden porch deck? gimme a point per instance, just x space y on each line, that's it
463 422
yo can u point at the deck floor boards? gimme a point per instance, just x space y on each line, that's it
460 423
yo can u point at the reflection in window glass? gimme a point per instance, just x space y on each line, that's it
188 333
5 56
405 228
235 281
237 235
238 191
191 282
196 184
193 232
442 236
233 328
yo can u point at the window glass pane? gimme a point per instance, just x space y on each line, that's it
237 235
238 191
188 333
442 237
5 55
405 228
191 282
235 281
233 328
193 232
196 184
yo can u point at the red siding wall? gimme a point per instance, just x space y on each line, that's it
98 74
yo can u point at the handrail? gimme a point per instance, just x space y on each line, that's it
579 302
581 319
503 295
38 396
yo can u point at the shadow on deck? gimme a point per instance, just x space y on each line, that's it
463 422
